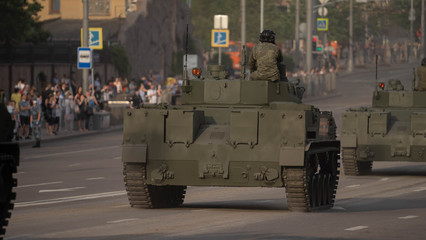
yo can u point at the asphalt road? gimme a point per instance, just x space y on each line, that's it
73 189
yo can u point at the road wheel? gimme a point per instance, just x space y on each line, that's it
143 195
352 166
313 186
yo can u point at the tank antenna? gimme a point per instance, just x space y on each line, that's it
186 85
377 57
243 62
414 79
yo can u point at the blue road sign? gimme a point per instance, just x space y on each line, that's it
322 24
220 38
84 58
95 38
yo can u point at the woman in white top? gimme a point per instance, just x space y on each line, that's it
152 95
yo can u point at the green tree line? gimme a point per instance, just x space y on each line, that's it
378 18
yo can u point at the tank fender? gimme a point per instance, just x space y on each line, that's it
134 153
349 140
292 156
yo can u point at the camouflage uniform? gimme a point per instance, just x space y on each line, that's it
421 73
263 62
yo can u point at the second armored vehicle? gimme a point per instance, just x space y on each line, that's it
393 129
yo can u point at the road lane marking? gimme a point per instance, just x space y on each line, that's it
94 178
70 199
353 186
356 228
40 184
339 208
409 217
60 190
116 158
24 236
420 189
123 220
71 152
74 165
384 179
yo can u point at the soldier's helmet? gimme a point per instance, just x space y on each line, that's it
424 62
267 36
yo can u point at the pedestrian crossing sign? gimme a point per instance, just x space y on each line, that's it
322 24
220 38
95 38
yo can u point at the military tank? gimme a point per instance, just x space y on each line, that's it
392 129
231 133
9 161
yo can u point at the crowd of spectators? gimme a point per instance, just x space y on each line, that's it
63 103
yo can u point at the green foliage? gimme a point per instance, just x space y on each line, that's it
120 61
279 21
19 22
379 18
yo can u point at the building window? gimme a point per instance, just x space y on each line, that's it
99 7
55 6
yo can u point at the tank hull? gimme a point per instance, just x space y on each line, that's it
230 146
394 129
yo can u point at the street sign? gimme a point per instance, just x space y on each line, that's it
95 38
220 21
322 24
220 38
84 58
322 11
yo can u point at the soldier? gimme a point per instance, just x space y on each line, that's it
421 73
35 122
265 58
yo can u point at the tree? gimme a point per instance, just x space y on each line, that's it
120 61
19 22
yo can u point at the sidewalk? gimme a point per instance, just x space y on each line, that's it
46 138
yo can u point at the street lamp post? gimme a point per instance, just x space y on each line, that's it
85 41
350 60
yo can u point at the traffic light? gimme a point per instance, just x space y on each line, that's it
314 42
319 48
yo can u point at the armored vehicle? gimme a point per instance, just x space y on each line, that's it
231 133
9 160
392 129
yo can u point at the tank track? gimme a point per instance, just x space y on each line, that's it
351 166
7 183
311 188
143 195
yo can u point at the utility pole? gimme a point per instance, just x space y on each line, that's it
85 41
423 54
308 65
350 60
296 35
261 15
243 22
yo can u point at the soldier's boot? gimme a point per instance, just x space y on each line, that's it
37 145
